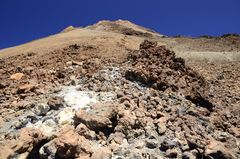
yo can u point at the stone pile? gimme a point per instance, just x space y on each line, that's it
150 107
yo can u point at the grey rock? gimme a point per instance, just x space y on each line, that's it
48 151
168 144
221 136
20 123
41 109
161 128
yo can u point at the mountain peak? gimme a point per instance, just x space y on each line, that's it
124 27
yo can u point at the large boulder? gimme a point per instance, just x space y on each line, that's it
216 149
92 121
99 117
67 144
27 140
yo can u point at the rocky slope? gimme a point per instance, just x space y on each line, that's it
119 91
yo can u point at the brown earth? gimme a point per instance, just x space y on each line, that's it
150 102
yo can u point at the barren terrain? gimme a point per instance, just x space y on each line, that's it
118 90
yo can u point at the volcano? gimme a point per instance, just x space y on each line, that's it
116 90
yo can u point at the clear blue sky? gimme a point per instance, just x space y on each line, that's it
25 20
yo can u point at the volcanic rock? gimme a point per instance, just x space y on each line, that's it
2 85
26 88
109 99
168 144
26 141
126 122
217 149
97 118
41 109
116 138
16 76
161 126
92 122
157 67
48 150
82 130
151 143
55 102
69 144
102 153
188 155
172 153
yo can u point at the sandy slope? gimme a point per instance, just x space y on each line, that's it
112 39
79 36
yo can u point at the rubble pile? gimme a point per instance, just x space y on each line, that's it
151 106
157 67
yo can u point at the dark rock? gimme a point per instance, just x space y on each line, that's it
168 144
2 85
172 153
151 143
130 31
148 44
55 102
61 74
188 155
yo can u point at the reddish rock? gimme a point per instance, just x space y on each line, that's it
235 131
93 122
55 102
116 138
216 149
27 140
127 120
159 68
26 88
70 144
98 117
82 130
16 76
